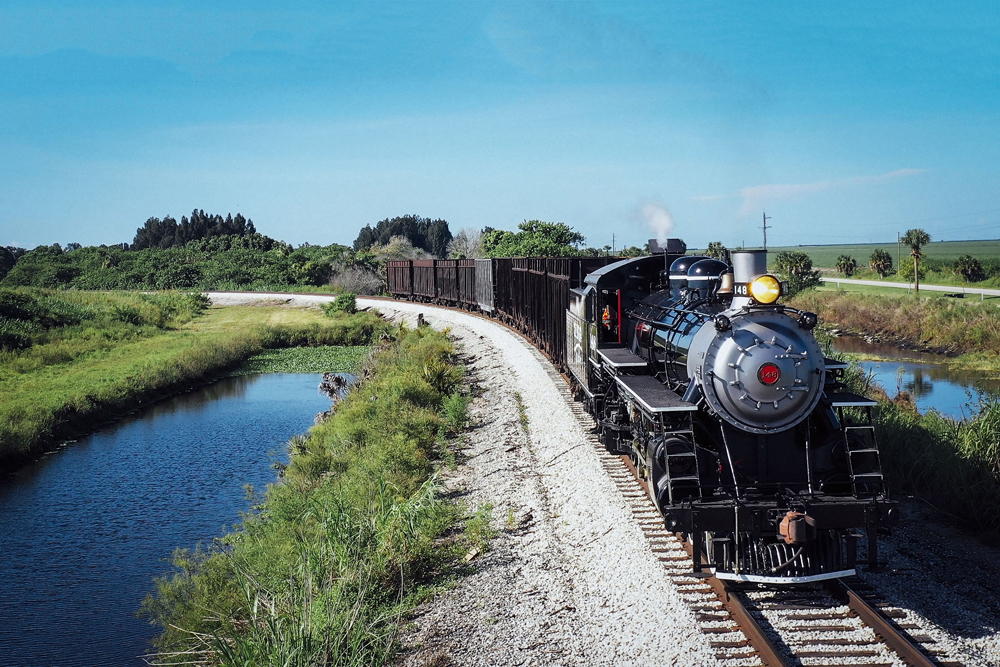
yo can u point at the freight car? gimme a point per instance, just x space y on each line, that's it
747 439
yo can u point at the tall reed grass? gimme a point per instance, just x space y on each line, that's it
949 325
320 571
951 465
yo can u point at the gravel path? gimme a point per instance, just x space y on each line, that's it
570 578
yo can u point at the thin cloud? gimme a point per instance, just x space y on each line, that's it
712 197
756 196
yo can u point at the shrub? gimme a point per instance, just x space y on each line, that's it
906 269
880 262
359 280
14 334
969 268
455 412
344 303
796 268
847 265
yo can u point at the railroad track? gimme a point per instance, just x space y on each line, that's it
842 622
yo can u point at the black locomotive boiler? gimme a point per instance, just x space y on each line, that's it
723 399
718 392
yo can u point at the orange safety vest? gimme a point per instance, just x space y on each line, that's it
606 317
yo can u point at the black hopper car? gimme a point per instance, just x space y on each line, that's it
721 396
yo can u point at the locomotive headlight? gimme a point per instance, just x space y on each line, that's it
765 289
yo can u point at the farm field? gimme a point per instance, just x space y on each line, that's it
825 256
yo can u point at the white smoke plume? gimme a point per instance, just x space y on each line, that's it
659 221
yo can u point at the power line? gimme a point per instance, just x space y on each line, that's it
946 217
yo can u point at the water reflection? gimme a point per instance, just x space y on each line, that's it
84 531
927 377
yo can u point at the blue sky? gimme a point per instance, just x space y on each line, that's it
846 122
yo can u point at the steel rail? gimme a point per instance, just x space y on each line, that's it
894 638
766 649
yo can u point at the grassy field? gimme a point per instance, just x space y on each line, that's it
833 287
323 568
111 353
825 256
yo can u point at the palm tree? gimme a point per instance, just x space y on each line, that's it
916 239
847 265
880 262
716 250
969 268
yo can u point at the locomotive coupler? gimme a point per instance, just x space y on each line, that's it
797 528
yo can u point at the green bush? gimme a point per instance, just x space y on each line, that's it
455 412
796 269
344 303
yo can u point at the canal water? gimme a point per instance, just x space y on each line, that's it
925 376
84 531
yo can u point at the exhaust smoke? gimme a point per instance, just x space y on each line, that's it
659 221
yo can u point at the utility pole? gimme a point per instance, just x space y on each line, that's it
612 245
897 251
766 218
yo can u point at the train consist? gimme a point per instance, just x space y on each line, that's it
720 395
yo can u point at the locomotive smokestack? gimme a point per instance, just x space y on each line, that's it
748 264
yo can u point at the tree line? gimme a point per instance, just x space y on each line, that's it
168 233
916 265
220 262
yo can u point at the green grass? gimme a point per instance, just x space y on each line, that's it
324 567
105 364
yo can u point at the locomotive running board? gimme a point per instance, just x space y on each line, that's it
761 579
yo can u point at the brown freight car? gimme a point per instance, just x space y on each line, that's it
530 294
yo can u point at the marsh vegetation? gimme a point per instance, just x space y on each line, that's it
71 360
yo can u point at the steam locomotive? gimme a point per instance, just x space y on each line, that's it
741 428
746 437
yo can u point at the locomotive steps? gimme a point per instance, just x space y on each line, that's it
582 571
